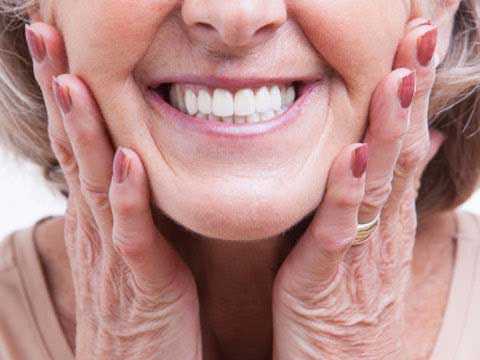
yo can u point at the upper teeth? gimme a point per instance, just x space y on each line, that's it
246 105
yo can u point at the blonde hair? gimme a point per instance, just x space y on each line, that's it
449 179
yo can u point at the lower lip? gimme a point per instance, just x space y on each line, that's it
217 128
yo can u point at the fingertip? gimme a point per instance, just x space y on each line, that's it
53 42
346 180
349 164
128 191
136 170
359 160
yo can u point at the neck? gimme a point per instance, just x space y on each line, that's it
234 281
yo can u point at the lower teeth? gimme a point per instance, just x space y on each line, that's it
256 117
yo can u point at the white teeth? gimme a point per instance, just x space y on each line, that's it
177 94
246 106
268 115
253 118
244 102
222 103
275 98
204 102
289 97
191 102
262 100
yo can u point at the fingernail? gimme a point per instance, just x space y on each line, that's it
35 43
406 90
359 161
426 46
62 95
121 166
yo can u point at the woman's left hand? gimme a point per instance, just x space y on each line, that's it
332 300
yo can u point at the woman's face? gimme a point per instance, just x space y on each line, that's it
234 181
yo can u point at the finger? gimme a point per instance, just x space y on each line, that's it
91 146
415 51
315 259
388 122
149 256
47 50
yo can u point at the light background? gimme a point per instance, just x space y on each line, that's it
26 197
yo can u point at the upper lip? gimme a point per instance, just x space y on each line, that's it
230 83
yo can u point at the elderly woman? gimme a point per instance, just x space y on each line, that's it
245 179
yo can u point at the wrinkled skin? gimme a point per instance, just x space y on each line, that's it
325 289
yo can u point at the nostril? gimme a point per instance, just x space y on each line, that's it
265 29
205 26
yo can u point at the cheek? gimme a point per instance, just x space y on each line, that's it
106 38
357 38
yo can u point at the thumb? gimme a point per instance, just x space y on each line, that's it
312 265
152 260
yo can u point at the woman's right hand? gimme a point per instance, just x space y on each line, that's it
135 298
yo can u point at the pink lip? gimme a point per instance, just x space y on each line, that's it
216 128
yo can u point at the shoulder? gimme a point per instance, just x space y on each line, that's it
14 249
22 296
7 251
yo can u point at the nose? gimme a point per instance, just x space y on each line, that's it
235 23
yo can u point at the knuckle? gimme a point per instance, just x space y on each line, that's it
68 162
411 156
347 200
64 155
376 194
125 206
95 194
83 136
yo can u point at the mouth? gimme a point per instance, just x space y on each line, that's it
246 105
233 107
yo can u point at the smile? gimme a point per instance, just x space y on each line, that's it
234 109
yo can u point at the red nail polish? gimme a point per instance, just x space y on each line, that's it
406 90
35 43
62 95
121 166
359 161
426 46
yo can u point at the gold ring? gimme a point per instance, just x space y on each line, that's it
365 230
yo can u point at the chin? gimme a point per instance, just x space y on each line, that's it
240 210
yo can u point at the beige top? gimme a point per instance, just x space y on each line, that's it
30 330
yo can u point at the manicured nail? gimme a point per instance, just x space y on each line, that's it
62 95
426 46
406 90
121 166
35 43
359 161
